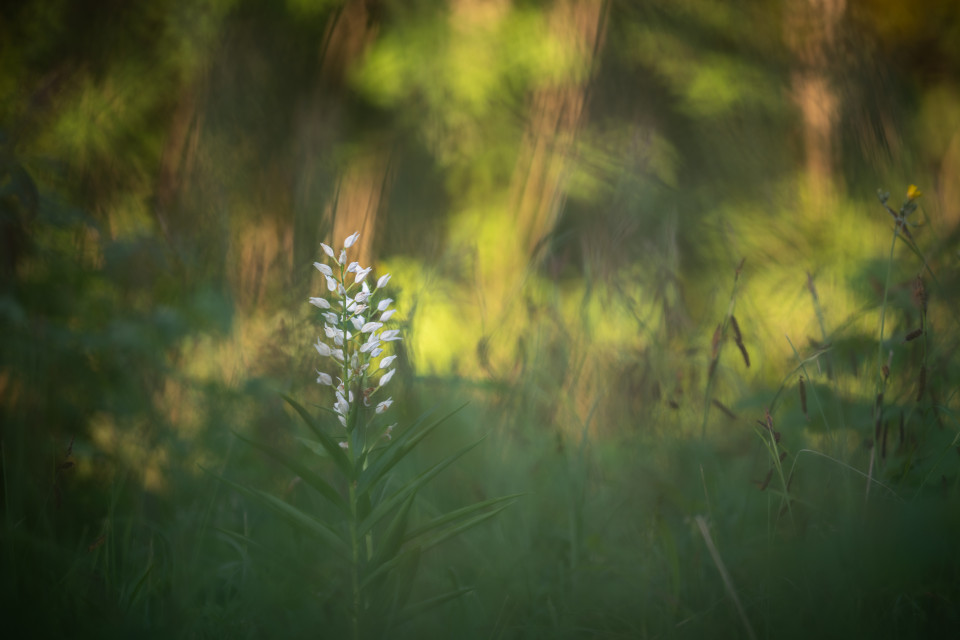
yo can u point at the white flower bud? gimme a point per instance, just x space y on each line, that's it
320 303
324 378
327 250
382 282
383 406
324 269
351 239
382 306
386 315
386 362
385 378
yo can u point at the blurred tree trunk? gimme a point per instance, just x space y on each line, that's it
176 166
553 122
334 198
811 31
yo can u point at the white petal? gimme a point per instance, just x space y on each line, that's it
327 250
392 334
350 240
322 348
376 351
383 406
324 378
320 303
386 315
344 445
357 323
361 275
324 269
331 283
385 378
369 346
382 282
353 267
370 326
384 304
331 318
343 256
343 421
386 362
338 354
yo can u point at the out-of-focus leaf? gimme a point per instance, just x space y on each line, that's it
308 476
332 447
293 515
398 448
413 485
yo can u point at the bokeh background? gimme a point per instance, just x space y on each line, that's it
570 197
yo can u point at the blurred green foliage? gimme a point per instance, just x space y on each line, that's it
563 191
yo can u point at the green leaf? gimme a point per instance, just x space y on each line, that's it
412 486
398 449
308 476
460 528
332 447
460 513
292 515
315 446
396 533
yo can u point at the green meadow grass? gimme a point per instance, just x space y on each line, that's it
775 513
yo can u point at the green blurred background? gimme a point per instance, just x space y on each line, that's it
563 193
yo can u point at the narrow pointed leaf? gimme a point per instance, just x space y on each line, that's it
308 476
332 447
464 512
399 448
441 536
390 503
389 565
293 515
395 535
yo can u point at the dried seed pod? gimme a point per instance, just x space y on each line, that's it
920 294
746 356
736 329
726 410
913 335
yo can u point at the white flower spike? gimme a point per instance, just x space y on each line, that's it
354 316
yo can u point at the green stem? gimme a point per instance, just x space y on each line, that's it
355 561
